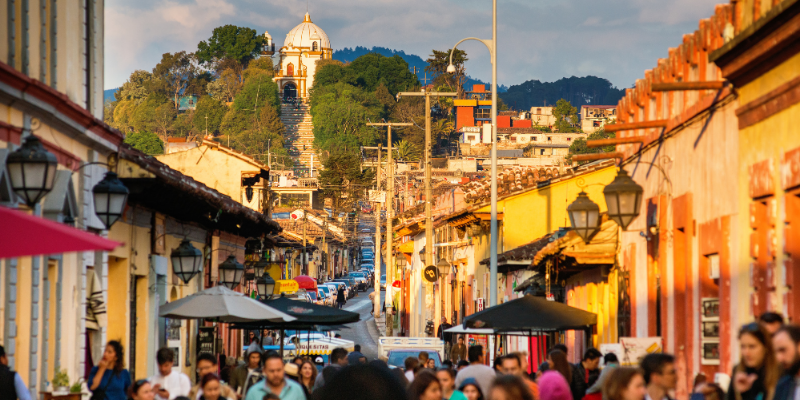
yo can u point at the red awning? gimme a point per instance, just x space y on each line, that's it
306 282
27 235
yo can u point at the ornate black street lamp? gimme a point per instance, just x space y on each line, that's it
443 266
623 199
186 260
32 170
110 197
230 272
265 286
584 216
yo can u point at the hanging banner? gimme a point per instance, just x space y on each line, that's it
205 339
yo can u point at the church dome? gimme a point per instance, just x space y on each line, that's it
305 34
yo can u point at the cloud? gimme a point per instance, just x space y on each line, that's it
545 40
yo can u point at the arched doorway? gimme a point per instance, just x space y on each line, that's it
289 91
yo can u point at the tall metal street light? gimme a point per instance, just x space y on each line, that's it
490 44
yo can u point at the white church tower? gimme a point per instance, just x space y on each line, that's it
304 45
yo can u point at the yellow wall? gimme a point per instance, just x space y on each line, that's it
23 339
118 301
533 214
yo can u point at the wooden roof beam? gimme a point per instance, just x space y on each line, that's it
614 141
659 123
596 156
675 86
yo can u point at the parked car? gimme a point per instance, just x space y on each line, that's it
352 290
383 282
336 285
397 357
362 279
326 291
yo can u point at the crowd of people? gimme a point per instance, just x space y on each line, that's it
768 369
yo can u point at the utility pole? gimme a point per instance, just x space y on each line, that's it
376 301
324 249
428 188
305 244
389 217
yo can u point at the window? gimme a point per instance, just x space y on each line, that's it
534 138
471 138
541 152
314 46
513 138
569 139
549 138
538 111
483 113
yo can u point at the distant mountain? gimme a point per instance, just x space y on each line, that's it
348 54
578 91
108 95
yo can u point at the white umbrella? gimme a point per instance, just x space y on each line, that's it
223 305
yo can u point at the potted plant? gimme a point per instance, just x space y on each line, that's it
61 382
76 387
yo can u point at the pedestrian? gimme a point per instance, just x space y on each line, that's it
545 366
169 384
471 389
340 297
363 382
425 387
212 388
411 365
338 359
109 380
557 361
308 374
297 360
585 373
266 338
771 321
423 359
510 387
447 364
447 378
292 372
757 374
483 374
141 390
786 343
624 384
712 391
225 372
461 365
431 364
247 374
459 350
207 364
553 386
512 365
10 382
595 392
660 375
446 337
275 381
252 337
354 357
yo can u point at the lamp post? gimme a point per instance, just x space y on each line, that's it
490 44
230 272
186 260
32 171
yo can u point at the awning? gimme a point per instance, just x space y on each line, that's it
600 250
27 235
531 313
407 247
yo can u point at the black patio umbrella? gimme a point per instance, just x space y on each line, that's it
530 313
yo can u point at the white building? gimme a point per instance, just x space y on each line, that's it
304 46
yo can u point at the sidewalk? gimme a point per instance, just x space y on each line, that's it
380 323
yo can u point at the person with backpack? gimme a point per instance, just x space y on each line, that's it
11 383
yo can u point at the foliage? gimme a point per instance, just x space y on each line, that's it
263 63
501 105
340 113
566 117
577 90
440 60
211 108
342 179
258 90
178 73
146 142
60 379
231 42
579 145
138 86
76 387
407 151
367 72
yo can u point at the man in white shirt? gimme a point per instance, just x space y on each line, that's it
477 370
168 384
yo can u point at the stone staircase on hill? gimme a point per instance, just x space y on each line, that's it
300 136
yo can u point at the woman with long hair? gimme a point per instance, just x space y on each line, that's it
510 387
141 390
758 372
624 384
471 389
447 378
212 388
308 375
557 360
109 377
425 387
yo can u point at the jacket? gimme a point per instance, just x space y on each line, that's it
239 378
224 391
784 390
582 380
7 377
291 391
758 391
340 296
458 353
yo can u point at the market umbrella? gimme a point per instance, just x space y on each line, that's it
305 314
223 305
28 235
305 282
531 313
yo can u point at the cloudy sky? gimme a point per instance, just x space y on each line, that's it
537 39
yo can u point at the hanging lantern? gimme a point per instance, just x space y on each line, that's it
444 267
265 286
248 191
422 256
262 266
623 199
230 272
110 197
186 260
584 216
31 170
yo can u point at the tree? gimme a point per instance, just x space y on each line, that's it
566 116
211 108
146 142
340 113
367 72
258 89
407 151
232 42
177 71
163 117
342 179
579 145
440 60
577 90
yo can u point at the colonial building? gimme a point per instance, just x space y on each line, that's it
304 46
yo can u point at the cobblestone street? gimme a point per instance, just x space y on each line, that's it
363 332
